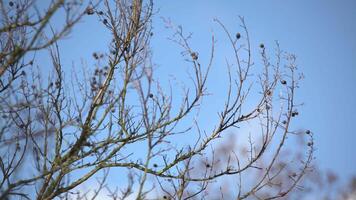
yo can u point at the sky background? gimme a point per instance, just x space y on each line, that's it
321 34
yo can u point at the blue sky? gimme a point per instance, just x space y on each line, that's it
322 35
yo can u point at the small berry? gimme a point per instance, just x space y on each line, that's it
307 132
155 165
238 35
11 3
100 13
310 143
284 122
262 46
150 95
283 82
207 166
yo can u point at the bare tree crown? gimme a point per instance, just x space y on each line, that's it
59 130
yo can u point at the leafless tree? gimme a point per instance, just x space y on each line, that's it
57 132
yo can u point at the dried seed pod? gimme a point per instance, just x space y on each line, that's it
105 21
295 113
58 84
194 56
95 55
268 93
89 11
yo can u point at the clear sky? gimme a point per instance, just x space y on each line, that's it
321 33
